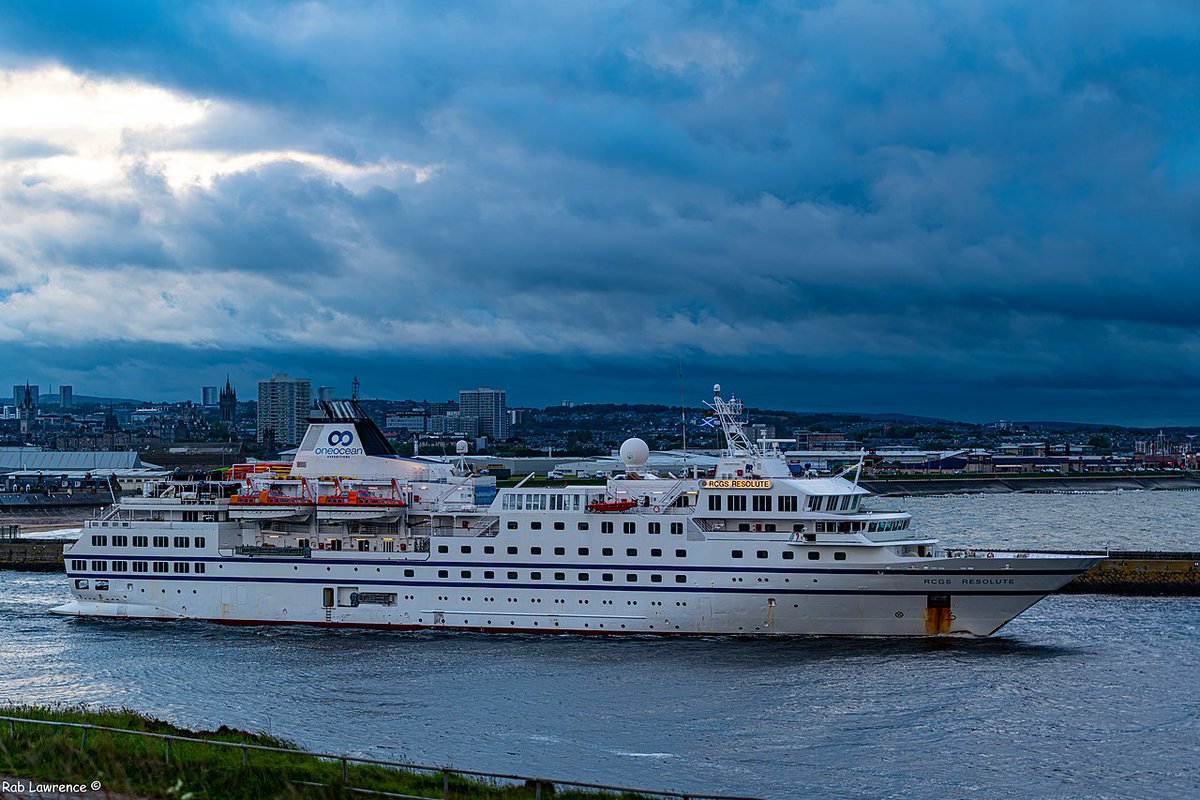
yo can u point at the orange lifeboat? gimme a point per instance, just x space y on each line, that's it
612 505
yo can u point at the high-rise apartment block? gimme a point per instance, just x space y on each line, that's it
489 407
66 395
208 396
283 405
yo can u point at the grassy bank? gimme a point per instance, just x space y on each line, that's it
139 766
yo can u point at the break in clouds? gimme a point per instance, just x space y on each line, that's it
976 211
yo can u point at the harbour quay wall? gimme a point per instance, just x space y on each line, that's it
32 555
966 484
25 501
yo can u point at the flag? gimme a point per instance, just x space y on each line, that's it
709 422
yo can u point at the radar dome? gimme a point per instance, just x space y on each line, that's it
462 448
634 453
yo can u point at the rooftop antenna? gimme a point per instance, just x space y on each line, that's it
683 412
354 389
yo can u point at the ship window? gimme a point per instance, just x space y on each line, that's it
607 576
681 553
583 526
676 528
443 548
714 502
99 541
560 576
854 503
814 555
872 527
535 576
199 565
560 526
140 566
140 541
761 554
335 544
607 551
537 526
654 527
161 566
181 541
488 574
656 578
560 551
820 527
737 502
631 577
161 541
408 573
78 564
630 527
199 541
839 556
788 555
81 583
736 553
655 552
512 576
606 527
512 525
814 503
363 545
536 551
845 502
466 573
443 573
512 551
99 566
488 549
120 566
120 541
743 526
466 548
788 503
762 502
798 527
681 578
631 551
583 576
583 551
179 566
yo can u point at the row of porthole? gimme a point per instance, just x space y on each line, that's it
513 623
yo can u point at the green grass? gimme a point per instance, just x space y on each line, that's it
136 765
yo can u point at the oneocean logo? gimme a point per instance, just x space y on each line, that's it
339 445
342 438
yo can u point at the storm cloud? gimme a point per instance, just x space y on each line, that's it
972 210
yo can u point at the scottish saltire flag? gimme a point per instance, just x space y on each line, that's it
709 422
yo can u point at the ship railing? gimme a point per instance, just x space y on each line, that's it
537 787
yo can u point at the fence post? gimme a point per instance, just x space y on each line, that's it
345 777
245 756
167 742
83 738
537 790
445 785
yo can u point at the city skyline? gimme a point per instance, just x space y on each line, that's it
944 210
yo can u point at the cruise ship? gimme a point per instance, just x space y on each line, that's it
351 534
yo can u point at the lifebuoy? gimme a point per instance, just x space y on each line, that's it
403 546
991 555
658 509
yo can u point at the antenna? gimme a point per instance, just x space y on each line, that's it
354 389
683 412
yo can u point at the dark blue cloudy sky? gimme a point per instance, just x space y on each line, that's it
976 210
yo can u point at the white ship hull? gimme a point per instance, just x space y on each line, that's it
969 597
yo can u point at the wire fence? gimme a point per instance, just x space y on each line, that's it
542 786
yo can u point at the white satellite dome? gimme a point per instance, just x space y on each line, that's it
634 452
462 448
